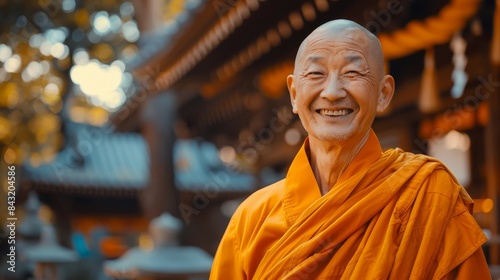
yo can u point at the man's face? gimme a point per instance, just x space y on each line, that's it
335 87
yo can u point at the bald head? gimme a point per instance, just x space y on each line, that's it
338 85
343 30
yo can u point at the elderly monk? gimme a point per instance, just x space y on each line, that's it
347 210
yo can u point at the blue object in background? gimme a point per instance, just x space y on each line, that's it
80 244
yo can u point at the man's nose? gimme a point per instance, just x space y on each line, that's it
334 88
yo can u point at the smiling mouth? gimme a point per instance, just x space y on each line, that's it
335 113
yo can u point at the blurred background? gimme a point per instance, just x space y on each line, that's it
114 112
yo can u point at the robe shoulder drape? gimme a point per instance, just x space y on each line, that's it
391 215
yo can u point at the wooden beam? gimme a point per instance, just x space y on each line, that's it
492 138
492 134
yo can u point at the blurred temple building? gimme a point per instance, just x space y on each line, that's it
115 112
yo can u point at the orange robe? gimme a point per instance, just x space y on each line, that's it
391 215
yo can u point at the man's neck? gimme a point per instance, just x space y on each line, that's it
330 160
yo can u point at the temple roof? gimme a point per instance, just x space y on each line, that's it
118 164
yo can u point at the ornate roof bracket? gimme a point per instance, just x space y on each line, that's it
434 30
211 39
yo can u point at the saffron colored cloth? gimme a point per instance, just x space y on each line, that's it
391 215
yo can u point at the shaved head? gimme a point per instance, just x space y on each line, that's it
344 30
338 83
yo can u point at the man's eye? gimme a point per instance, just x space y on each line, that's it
352 73
314 74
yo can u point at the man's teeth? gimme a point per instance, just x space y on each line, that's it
335 113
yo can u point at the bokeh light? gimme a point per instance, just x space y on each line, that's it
5 52
293 137
101 23
13 64
227 154
81 53
130 31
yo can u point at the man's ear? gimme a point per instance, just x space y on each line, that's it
290 81
387 86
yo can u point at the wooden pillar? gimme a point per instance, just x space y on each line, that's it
149 14
158 116
492 135
45 271
62 206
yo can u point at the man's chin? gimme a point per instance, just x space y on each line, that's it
335 136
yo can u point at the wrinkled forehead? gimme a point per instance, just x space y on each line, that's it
350 38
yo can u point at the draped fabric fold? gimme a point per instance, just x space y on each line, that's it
334 218
394 215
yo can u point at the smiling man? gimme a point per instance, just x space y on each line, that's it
347 210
